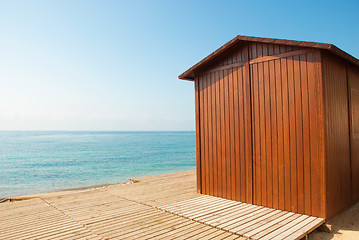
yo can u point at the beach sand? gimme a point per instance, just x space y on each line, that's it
85 208
345 226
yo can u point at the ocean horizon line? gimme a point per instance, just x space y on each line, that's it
97 130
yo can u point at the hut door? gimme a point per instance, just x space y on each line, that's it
223 112
284 128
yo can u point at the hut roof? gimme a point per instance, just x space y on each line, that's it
189 74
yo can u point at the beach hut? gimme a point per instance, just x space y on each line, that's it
277 125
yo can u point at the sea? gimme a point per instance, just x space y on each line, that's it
44 161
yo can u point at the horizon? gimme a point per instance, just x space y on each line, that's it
97 130
114 65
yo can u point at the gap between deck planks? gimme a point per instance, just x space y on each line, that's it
247 220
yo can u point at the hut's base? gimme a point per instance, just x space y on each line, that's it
250 221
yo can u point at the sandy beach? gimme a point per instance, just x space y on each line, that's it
88 213
345 226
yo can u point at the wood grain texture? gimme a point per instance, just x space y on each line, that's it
250 221
280 109
123 211
338 172
353 80
198 138
224 128
265 129
279 127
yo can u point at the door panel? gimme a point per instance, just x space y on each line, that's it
285 129
225 128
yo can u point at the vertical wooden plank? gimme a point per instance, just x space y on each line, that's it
237 131
239 53
278 136
229 59
353 88
249 69
234 54
313 119
202 136
277 73
223 134
269 101
198 135
210 136
262 136
214 134
231 144
242 180
243 141
292 134
299 133
219 133
248 136
252 51
282 116
227 133
205 134
318 74
257 178
286 136
274 148
306 133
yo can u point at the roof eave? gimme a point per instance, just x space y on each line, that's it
190 73
186 78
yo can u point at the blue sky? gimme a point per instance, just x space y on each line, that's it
113 65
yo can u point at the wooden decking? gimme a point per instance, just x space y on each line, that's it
250 221
129 211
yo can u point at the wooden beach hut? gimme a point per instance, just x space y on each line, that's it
277 124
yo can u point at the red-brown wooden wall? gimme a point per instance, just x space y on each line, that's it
288 131
341 98
353 79
260 127
338 179
224 151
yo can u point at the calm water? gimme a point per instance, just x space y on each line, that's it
33 162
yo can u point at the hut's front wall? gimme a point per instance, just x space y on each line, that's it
260 128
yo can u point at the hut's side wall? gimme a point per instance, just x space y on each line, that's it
353 78
338 171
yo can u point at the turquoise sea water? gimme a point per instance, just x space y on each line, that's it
33 162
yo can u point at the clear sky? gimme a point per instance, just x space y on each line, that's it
113 65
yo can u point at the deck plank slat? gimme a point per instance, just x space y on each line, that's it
250 221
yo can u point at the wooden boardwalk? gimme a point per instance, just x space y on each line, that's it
247 220
125 211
